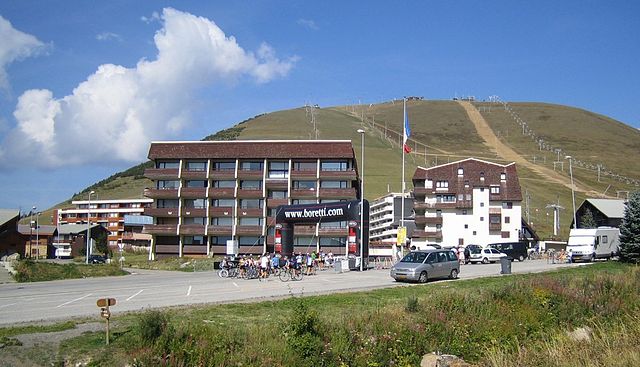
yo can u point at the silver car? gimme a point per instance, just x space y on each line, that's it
426 264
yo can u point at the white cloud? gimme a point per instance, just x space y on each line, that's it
155 16
308 23
108 36
15 45
117 111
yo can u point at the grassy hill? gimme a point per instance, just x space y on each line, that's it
441 133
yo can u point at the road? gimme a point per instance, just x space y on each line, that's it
64 299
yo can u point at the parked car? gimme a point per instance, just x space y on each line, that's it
97 259
515 250
486 255
427 264
471 249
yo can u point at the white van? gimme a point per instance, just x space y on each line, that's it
589 244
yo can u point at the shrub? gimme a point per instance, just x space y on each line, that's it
151 325
412 304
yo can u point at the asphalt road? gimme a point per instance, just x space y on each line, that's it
63 299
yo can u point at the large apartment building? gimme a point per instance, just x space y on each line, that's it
206 193
467 202
384 220
108 213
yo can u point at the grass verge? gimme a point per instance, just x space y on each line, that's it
33 271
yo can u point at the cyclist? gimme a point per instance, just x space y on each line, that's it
264 266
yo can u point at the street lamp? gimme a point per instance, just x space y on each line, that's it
88 227
361 132
573 193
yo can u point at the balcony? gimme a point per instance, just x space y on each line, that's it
277 183
161 212
251 174
303 193
495 226
167 249
250 212
192 229
223 174
194 212
422 220
274 203
427 234
304 230
214 230
222 192
249 230
249 193
421 191
333 231
193 192
194 174
194 250
161 229
304 174
464 204
161 173
220 211
161 193
342 175
347 193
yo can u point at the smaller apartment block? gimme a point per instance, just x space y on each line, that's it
108 213
384 221
207 193
467 202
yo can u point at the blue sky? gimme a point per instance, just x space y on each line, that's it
85 85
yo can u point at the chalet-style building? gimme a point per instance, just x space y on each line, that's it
606 212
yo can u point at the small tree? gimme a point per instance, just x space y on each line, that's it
101 243
587 220
630 230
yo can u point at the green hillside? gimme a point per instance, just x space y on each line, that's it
442 133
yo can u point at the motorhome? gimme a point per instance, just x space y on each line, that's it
588 244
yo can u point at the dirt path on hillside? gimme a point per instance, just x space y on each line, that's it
506 153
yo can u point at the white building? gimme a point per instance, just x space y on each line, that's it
467 202
384 220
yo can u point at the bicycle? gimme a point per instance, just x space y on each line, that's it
228 272
290 274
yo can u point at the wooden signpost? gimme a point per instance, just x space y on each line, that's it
104 304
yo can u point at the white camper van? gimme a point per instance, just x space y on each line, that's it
589 244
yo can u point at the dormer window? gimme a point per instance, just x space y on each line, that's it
481 176
442 184
460 172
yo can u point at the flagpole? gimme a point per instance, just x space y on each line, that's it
404 133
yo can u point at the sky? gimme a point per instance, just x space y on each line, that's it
85 86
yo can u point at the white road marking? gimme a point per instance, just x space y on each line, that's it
140 291
77 299
236 284
189 291
10 304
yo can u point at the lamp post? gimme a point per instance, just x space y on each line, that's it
573 193
88 227
361 132
33 209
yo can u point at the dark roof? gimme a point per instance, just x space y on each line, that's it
473 169
7 215
44 230
246 149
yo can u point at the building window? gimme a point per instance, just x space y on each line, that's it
303 201
334 166
113 215
250 221
460 197
277 194
196 183
278 170
250 241
503 176
460 171
251 203
464 211
167 164
481 176
222 221
442 184
507 220
305 166
251 185
494 219
504 234
220 240
251 166
304 185
195 203
194 240
223 202
333 241
495 190
466 184
305 241
428 184
219 184
195 220
333 184
507 205
224 166
167 203
474 233
468 197
481 204
342 224
196 166
482 219
167 184
466 226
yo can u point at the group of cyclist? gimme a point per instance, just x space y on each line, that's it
268 264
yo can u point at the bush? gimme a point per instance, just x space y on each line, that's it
412 304
152 325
